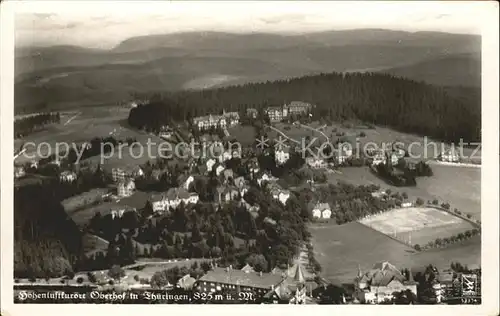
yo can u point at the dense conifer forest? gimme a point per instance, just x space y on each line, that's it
30 124
378 99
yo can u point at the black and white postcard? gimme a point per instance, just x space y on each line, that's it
267 153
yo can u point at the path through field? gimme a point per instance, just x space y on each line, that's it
72 118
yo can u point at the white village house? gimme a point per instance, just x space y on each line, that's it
322 211
281 155
171 199
67 176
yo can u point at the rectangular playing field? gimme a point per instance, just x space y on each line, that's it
417 225
340 249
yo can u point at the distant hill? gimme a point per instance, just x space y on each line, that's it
67 76
453 70
256 41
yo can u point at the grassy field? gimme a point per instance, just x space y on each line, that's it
461 187
83 216
92 244
340 248
244 134
79 127
424 224
75 202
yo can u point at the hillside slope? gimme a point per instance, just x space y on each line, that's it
68 76
379 99
453 70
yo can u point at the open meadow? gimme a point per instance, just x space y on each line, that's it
417 225
245 135
341 248
459 186
83 126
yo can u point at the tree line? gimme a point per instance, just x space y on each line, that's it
374 98
27 125
46 241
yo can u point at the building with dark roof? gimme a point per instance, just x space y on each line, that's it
220 279
380 283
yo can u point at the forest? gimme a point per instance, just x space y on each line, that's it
378 99
47 242
30 124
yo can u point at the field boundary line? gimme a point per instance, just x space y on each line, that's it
315 130
71 118
283 134
391 237
471 221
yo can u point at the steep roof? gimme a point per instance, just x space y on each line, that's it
299 104
235 115
126 183
273 108
382 274
322 206
186 282
296 273
247 268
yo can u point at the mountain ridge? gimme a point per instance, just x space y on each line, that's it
68 73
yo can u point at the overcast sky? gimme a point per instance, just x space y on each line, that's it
104 25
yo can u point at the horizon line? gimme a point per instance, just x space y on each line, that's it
282 33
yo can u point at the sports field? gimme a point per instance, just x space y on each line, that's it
341 248
417 225
459 186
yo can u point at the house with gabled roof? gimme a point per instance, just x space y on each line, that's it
232 118
298 107
281 155
185 180
275 113
247 268
219 169
210 163
118 210
226 193
278 193
265 177
122 173
380 282
252 113
187 282
209 121
321 211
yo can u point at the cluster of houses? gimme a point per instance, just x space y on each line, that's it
292 285
449 155
275 114
171 199
392 157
